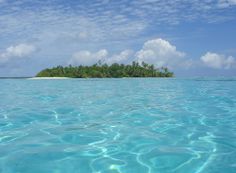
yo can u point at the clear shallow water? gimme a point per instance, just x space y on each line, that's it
118 126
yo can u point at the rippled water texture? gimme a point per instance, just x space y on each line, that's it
118 126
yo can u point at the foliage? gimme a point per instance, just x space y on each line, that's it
99 70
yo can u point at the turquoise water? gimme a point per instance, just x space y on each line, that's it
118 126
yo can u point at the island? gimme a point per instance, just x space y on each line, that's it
100 70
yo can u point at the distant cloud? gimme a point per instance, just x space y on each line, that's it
17 51
161 53
218 61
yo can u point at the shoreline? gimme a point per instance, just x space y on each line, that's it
47 78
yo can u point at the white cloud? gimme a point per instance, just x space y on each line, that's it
18 51
161 53
88 58
101 19
218 61
158 52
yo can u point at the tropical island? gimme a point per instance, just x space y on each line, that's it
100 70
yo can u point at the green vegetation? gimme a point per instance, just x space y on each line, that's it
100 70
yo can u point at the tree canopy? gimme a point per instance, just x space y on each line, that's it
100 70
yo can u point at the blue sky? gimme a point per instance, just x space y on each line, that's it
192 38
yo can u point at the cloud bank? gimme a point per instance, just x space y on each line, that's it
158 51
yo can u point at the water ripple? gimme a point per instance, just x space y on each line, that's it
118 126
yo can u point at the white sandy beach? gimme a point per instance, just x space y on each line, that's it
47 78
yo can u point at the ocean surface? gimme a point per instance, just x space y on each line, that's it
147 125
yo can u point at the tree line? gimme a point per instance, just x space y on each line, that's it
100 70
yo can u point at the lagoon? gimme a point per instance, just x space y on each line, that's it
128 125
